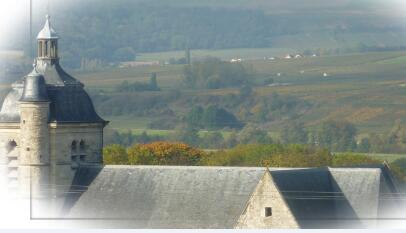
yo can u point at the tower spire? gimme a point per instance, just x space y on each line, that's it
48 43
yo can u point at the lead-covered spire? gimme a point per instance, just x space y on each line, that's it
48 43
47 31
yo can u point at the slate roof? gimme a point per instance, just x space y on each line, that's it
215 197
166 197
69 101
35 89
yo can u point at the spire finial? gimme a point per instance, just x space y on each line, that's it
47 16
34 65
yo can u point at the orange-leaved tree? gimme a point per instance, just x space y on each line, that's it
164 153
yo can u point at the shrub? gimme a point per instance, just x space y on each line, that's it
398 167
351 159
115 154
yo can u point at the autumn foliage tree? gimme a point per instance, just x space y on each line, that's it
115 154
164 153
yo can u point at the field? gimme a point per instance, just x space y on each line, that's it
367 89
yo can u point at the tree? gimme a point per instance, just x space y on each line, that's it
153 83
253 135
294 132
212 140
337 136
364 146
115 154
217 118
195 116
187 134
398 167
350 159
164 153
245 92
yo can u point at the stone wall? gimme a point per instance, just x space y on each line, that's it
266 194
34 136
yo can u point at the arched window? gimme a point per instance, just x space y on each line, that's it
46 49
82 149
82 146
40 49
74 146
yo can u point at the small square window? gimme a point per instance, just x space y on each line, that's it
82 158
268 211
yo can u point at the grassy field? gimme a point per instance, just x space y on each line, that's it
366 89
225 54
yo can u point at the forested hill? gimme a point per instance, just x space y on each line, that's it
111 30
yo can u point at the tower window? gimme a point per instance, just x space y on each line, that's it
82 145
74 146
11 146
268 211
46 49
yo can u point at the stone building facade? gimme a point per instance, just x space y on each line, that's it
48 124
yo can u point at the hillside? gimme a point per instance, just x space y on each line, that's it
111 31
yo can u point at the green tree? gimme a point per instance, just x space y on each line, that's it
217 118
212 140
295 133
364 146
337 136
254 135
153 83
187 134
195 116
351 159
115 154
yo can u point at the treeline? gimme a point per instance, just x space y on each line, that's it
337 136
168 109
126 86
342 136
192 136
211 118
257 155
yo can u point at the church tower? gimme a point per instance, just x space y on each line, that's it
48 126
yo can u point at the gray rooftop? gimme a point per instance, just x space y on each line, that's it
166 197
215 197
69 100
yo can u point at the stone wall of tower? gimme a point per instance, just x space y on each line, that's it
34 158
34 133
